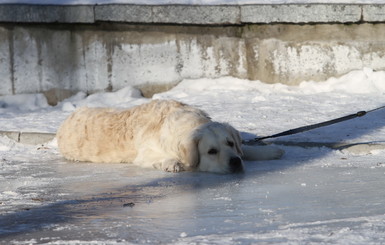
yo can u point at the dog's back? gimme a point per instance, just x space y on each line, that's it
110 135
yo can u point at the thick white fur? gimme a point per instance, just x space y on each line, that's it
163 134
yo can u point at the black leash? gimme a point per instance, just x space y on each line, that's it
313 126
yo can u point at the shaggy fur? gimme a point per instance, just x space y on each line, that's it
163 134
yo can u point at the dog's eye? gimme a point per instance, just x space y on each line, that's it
230 143
212 151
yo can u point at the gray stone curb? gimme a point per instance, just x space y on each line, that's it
170 14
301 13
373 13
46 14
28 138
193 14
356 148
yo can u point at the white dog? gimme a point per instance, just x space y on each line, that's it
163 134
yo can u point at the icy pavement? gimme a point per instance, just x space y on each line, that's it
310 196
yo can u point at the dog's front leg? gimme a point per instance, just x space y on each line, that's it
150 158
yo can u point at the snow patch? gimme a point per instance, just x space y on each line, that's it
120 98
364 81
22 102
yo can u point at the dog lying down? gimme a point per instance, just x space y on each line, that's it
163 134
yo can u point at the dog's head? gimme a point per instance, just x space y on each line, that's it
215 147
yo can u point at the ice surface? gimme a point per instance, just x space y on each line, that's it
310 196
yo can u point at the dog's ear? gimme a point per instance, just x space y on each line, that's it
237 139
189 152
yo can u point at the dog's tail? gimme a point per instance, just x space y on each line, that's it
261 152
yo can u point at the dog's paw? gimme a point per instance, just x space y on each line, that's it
172 165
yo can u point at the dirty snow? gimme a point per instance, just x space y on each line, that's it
310 196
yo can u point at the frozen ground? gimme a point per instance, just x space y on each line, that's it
310 196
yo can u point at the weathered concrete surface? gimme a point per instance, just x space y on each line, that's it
175 14
28 138
193 14
373 13
293 53
108 49
124 13
39 58
46 14
297 13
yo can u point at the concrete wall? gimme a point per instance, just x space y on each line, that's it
293 53
109 52
109 57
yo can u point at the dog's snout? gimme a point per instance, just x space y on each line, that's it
236 165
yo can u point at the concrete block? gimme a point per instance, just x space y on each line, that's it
46 14
175 14
291 62
152 63
124 13
77 14
185 14
29 138
15 136
25 67
300 13
6 62
40 59
61 59
373 13
32 138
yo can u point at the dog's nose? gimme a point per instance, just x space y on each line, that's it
236 165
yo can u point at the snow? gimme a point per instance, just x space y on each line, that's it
186 2
311 196
23 102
